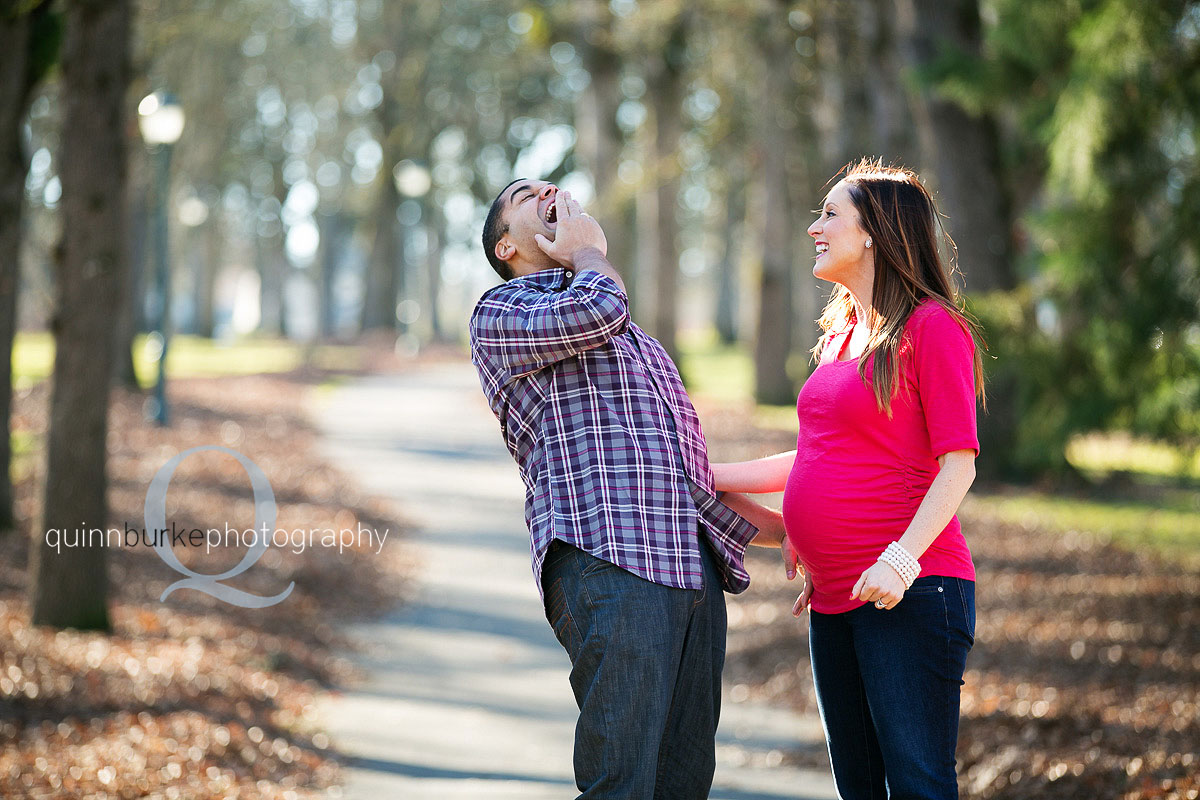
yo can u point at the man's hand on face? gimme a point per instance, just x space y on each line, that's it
575 233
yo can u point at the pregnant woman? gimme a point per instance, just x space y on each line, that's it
885 454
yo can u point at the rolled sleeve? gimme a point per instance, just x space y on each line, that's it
523 329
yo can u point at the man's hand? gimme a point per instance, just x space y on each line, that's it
791 561
575 233
801 604
771 532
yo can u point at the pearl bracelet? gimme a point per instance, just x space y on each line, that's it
899 559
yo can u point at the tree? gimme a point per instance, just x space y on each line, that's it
773 343
1099 100
962 149
600 136
69 587
29 34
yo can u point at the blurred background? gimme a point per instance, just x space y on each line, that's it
335 159
215 203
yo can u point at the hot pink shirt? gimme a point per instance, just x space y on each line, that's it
859 476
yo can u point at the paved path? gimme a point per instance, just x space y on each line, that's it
467 695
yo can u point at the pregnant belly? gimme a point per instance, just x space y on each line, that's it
838 524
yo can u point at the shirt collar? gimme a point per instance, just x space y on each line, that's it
554 277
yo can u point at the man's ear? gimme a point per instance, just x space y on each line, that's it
505 249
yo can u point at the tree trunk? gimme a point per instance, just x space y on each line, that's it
379 303
727 268
209 265
333 231
642 280
600 137
774 341
69 587
889 118
19 32
433 229
131 307
961 150
274 268
666 89
14 95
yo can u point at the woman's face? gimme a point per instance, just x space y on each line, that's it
842 253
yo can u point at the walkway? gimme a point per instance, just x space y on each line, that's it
467 695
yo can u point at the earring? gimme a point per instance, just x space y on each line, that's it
868 241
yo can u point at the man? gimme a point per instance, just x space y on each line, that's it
630 545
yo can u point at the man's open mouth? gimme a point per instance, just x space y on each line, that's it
551 215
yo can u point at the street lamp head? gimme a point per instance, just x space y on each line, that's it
160 118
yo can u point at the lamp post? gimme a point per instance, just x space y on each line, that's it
160 119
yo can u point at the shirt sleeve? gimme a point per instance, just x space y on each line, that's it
944 360
522 329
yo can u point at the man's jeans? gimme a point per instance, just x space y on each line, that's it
646 671
888 689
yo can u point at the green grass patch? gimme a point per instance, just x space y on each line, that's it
1104 453
717 372
24 446
191 357
32 358
1170 528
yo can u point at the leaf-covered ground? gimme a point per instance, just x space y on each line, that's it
1084 681
192 697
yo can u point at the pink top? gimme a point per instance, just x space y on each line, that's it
859 477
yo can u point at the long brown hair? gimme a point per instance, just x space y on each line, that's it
898 213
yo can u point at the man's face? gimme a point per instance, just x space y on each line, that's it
528 210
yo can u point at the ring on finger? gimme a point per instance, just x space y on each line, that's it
880 604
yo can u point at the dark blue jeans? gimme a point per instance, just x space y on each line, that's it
646 666
888 688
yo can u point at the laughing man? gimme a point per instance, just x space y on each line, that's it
631 547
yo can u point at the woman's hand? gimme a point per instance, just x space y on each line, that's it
805 596
880 584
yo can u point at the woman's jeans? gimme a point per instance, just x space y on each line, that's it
888 689
646 666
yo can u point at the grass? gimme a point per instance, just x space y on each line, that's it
24 446
724 374
187 357
1172 530
1107 453
191 357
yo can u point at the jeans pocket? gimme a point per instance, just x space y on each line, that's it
968 607
930 584
558 614
596 565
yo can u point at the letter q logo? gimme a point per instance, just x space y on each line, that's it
264 516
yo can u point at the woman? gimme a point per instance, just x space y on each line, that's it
885 454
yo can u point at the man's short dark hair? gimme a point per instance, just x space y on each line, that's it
493 228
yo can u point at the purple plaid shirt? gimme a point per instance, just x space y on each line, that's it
607 442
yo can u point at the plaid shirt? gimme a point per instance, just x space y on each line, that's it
608 445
